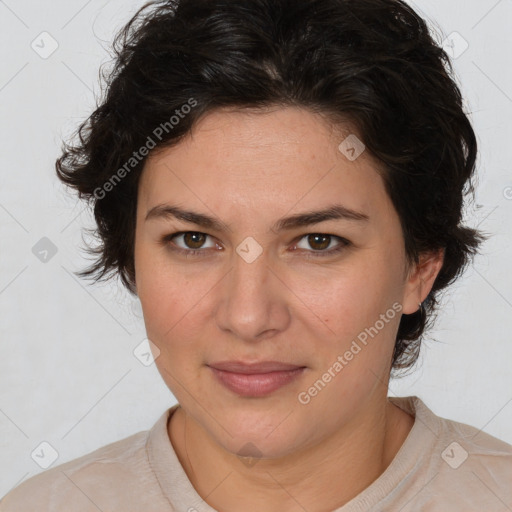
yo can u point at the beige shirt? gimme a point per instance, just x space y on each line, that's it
442 466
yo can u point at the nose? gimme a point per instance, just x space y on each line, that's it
253 301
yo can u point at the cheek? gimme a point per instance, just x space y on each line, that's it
160 293
358 320
341 301
168 307
173 303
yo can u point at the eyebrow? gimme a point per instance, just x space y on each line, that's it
334 212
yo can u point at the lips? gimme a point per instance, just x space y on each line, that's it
253 368
255 379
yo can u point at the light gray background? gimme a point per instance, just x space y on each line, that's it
68 375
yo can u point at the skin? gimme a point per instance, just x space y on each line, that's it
249 169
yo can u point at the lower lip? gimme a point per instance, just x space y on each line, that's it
258 384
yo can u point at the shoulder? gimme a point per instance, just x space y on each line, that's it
86 483
467 445
466 466
463 443
475 440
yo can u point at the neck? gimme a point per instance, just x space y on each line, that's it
318 478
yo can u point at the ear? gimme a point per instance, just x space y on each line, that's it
420 280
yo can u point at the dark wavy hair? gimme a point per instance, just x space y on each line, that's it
372 63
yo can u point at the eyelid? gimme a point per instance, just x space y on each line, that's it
167 240
332 237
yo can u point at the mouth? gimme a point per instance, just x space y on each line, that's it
257 379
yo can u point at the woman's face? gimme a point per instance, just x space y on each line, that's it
261 289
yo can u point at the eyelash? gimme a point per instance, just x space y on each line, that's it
167 241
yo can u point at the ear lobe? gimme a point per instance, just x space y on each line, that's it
421 279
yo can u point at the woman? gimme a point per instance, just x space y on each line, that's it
281 184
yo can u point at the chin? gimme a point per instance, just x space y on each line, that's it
259 447
258 435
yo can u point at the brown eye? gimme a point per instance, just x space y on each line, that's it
194 240
319 242
191 242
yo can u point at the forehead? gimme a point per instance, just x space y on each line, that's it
265 161
268 133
